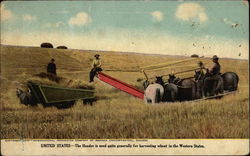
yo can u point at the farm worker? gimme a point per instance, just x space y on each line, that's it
51 68
96 67
215 69
214 73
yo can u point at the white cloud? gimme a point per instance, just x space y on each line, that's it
202 17
229 22
54 25
5 13
157 15
80 19
188 11
28 17
58 24
225 20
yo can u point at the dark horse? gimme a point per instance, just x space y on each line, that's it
211 85
26 98
187 88
230 81
170 90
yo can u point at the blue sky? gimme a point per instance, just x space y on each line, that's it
164 27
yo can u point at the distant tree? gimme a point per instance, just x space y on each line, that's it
46 45
194 55
62 47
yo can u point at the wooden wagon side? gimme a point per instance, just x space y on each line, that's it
59 96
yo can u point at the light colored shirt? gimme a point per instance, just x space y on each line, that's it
96 63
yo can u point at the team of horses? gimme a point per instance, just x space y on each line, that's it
198 87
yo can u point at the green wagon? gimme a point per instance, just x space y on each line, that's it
61 97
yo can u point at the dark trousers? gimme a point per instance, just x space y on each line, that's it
212 82
93 72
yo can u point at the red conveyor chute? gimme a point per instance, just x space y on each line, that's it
121 85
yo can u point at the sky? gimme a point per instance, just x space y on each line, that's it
180 27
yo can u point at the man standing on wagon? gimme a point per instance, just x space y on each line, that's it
96 67
51 67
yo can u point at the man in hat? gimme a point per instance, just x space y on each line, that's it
214 75
96 67
51 67
215 69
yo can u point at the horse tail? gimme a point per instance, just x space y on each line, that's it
235 85
221 85
195 90
173 96
235 82
145 98
198 90
237 78
158 95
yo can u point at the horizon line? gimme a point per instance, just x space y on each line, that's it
140 53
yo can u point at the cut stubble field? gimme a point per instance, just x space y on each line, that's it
115 114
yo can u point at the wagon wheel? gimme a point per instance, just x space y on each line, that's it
88 101
63 105
45 104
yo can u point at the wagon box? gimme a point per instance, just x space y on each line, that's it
49 95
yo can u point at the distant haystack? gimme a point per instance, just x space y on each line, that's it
46 45
62 47
195 55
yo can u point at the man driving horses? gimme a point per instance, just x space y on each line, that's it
215 69
214 74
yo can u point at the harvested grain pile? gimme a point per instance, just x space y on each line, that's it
79 84
49 76
54 80
44 81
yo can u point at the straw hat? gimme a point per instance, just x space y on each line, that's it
215 57
97 55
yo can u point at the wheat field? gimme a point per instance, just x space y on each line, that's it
115 114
